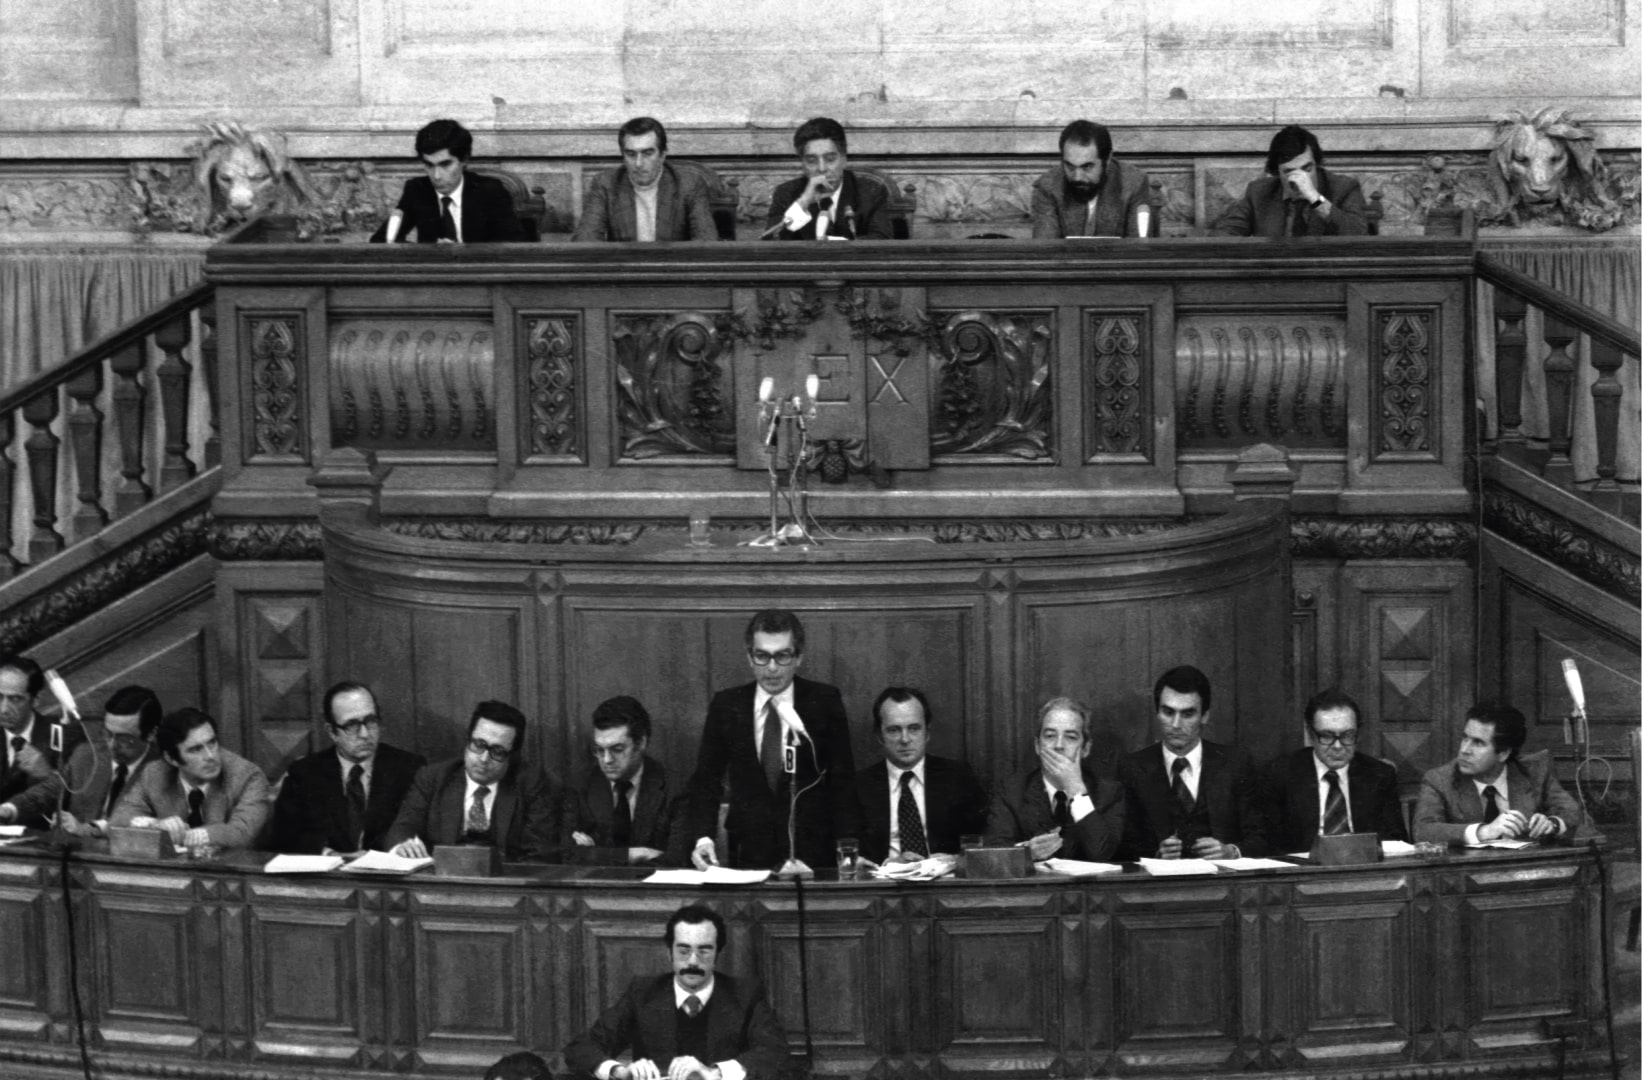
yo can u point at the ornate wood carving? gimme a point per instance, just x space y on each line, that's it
276 386
1580 552
262 539
553 360
1402 350
672 374
1239 383
491 531
130 491
423 384
1118 394
1382 538
991 387
85 426
41 450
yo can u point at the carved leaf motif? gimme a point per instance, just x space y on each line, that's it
1118 388
991 386
1405 381
670 373
552 380
275 395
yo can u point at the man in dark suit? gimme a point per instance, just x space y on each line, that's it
771 738
645 198
1059 806
96 780
488 796
451 205
29 786
1329 788
1188 797
199 793
344 798
627 810
829 201
1297 197
1089 193
692 1023
1491 791
914 804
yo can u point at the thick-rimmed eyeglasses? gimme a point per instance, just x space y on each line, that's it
1329 738
354 727
495 753
784 658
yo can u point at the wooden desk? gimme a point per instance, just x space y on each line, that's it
1445 967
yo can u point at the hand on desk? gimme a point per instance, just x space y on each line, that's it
581 838
1542 825
1044 845
643 854
704 856
1208 847
642 1069
411 849
1170 848
1508 826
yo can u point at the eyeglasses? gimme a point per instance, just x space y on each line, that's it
354 727
126 740
1328 738
495 753
784 658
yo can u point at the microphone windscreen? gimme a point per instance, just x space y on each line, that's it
766 389
1576 688
59 690
812 385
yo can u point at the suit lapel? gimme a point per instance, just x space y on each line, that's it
501 811
663 1023
452 811
627 215
652 793
1465 793
1303 779
666 198
1040 816
722 1018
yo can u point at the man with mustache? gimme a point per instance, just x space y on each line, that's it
1091 194
689 1024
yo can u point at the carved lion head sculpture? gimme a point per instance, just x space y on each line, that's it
244 172
1547 161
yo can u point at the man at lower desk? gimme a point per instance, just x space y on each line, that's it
689 1023
1490 791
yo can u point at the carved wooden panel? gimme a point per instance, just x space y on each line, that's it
1000 980
673 384
1524 958
991 386
1117 385
154 974
554 422
277 360
845 979
894 331
1407 419
23 928
1241 381
473 988
1352 965
615 951
309 954
413 384
1177 979
282 643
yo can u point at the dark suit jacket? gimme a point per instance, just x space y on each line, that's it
1021 810
1260 212
1449 801
658 818
869 199
1230 806
1296 812
1124 192
311 812
954 806
740 1026
682 210
524 816
236 802
36 800
88 775
757 821
488 213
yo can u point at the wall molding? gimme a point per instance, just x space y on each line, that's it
1576 550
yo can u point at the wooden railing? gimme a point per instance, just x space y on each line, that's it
62 411
1564 320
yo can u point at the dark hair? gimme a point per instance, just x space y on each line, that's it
1088 133
697 913
520 1065
1332 698
499 712
1510 726
1184 679
29 667
900 694
138 701
173 731
642 125
624 712
1070 705
821 127
345 687
776 621
444 135
1289 144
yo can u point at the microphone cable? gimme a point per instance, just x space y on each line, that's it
74 966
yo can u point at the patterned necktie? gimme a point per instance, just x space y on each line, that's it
196 808
1334 807
769 746
621 827
356 806
114 789
911 825
478 822
1491 810
1182 793
1063 810
692 1006
447 222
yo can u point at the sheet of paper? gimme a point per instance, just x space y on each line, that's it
11 830
385 862
1251 864
1079 867
1394 848
713 875
1509 845
302 864
936 866
1178 867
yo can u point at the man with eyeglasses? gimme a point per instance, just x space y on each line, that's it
343 798
690 1023
489 796
97 777
625 809
783 744
1329 788
199 793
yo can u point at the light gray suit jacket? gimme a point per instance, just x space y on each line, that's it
237 803
1449 801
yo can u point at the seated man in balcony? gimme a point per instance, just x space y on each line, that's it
1089 193
628 809
829 201
914 804
1297 197
344 797
488 796
644 198
97 778
1491 791
1329 788
29 784
451 205
1059 807
198 793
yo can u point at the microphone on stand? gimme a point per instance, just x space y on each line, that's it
1576 691
766 403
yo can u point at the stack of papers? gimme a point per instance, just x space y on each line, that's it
936 866
384 862
1511 845
1251 864
1178 867
302 864
1078 867
11 830
1392 849
713 875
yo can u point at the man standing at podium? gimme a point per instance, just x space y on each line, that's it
1297 196
450 205
644 198
1089 194
1328 788
782 746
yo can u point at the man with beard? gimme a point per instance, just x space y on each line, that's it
644 198
1091 193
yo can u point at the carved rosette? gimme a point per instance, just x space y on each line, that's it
1119 411
276 388
1237 384
550 347
672 373
1403 347
990 382
404 384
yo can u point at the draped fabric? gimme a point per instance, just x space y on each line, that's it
1605 275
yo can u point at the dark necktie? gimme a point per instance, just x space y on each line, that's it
196 808
621 827
1491 810
17 744
1182 793
447 223
477 821
356 806
692 1006
769 746
913 841
1063 809
114 789
1334 807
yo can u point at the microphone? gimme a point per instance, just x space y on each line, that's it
1576 691
849 220
65 704
766 390
812 385
766 401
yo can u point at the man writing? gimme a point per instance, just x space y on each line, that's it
644 198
